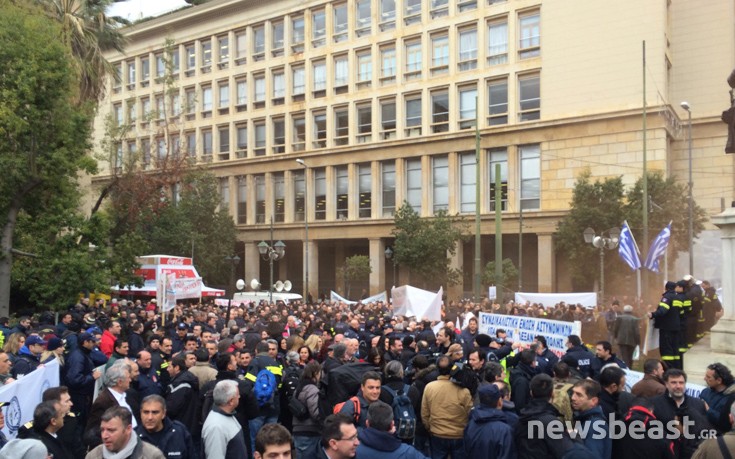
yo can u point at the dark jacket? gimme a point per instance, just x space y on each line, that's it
644 446
597 364
488 435
174 440
691 409
135 344
247 408
375 444
104 400
25 363
666 316
719 407
182 397
311 426
528 443
602 447
580 359
266 362
148 383
53 444
546 361
520 383
617 404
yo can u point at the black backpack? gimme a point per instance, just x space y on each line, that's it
344 382
464 376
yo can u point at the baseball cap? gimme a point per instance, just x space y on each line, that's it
182 326
86 337
33 339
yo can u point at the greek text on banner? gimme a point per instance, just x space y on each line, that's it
525 329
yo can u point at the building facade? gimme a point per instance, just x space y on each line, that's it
380 100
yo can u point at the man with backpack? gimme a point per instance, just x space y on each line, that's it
376 440
265 374
394 392
356 407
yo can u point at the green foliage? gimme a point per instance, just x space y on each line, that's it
425 245
356 268
510 275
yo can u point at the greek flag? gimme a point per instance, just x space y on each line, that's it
628 250
658 248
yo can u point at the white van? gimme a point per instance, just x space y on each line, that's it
257 297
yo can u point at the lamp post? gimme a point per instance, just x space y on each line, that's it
306 230
234 260
272 252
389 256
602 242
685 106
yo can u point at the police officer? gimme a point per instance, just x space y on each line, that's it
578 357
667 320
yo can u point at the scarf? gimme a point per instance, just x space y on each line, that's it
127 450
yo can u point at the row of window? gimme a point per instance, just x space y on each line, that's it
404 57
376 196
409 115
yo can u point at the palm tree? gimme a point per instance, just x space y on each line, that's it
88 32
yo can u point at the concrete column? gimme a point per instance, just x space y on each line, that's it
722 334
252 263
457 262
377 263
339 261
313 266
288 181
546 265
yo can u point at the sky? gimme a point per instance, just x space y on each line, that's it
137 9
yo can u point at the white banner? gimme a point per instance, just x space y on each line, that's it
411 301
492 292
550 299
25 394
632 377
525 329
187 288
334 296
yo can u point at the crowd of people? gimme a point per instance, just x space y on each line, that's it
339 381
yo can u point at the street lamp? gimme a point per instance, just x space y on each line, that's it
389 256
602 242
685 106
306 231
272 252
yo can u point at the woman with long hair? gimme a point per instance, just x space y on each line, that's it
307 431
305 355
294 343
314 342
13 344
54 351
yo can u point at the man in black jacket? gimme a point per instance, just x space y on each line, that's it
171 437
666 319
578 357
520 379
48 419
270 409
182 394
80 376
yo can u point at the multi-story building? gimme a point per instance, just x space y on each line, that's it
380 99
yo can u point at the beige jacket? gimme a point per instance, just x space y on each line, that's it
445 408
709 449
204 373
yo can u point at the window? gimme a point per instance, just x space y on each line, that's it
279 86
364 67
497 92
279 197
145 147
530 156
146 105
259 137
259 97
133 151
298 81
131 74
161 148
299 190
299 132
160 107
242 200
242 140
223 43
117 77
439 111
224 192
191 59
387 14
388 64
207 143
117 114
206 56
529 97
145 71
389 188
529 44
497 42
339 22
440 182
341 73
259 43
242 94
119 159
297 34
277 38
318 28
466 5
341 125
365 183
175 145
467 49
279 135
439 53
388 119
439 8
132 112
498 156
363 18
320 130
241 47
223 133
191 144
319 71
175 104
173 56
191 103
342 179
260 198
467 107
413 184
413 59
413 115
224 97
364 123
412 11
206 101
320 194
468 179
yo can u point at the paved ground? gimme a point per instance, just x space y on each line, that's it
699 356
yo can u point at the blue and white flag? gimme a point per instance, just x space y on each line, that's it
628 249
658 248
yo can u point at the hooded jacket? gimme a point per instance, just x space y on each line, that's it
488 435
532 446
182 397
25 363
375 444
593 422
644 446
